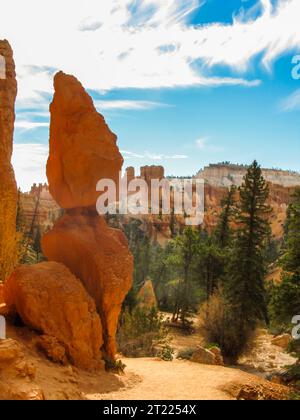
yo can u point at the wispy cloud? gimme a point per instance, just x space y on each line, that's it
30 125
291 103
89 24
142 44
151 156
204 144
128 105
29 161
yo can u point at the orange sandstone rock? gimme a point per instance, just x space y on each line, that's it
8 187
99 256
49 299
83 150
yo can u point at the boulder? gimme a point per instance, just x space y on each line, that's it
204 356
97 255
83 150
8 187
50 300
218 355
282 341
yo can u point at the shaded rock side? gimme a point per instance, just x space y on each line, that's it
83 150
50 300
99 256
8 187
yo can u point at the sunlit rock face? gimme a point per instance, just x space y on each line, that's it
99 256
51 300
8 188
83 149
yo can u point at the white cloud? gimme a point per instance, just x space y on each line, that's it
30 125
127 105
291 103
151 156
29 161
204 144
121 46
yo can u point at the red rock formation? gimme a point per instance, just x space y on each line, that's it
130 172
49 299
152 172
83 150
99 256
8 188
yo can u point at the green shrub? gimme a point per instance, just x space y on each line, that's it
115 366
166 353
141 332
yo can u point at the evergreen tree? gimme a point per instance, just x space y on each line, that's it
37 243
244 286
185 252
291 259
248 269
224 231
285 297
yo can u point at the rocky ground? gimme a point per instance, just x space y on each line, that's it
144 378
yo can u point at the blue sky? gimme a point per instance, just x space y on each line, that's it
181 86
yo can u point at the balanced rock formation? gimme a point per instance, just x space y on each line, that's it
50 300
83 150
99 256
8 187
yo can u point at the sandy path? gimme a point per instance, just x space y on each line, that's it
158 380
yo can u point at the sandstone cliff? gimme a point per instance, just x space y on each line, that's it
225 175
8 188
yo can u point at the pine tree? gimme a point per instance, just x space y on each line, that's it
285 297
186 248
248 267
244 287
224 231
291 259
37 243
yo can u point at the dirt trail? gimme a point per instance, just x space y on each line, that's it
145 378
158 380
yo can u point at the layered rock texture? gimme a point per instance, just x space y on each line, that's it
83 151
8 188
50 300
227 174
99 256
